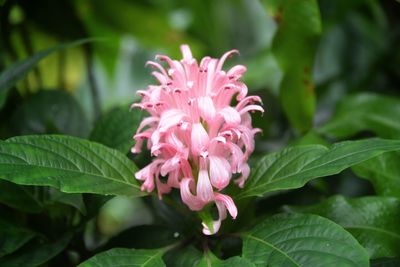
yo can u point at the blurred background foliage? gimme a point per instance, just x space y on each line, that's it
341 53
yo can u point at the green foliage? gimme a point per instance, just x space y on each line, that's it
293 167
383 172
365 112
294 46
70 164
126 257
19 70
373 221
302 240
116 128
327 71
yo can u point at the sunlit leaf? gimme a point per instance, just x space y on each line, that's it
119 257
70 164
302 240
373 221
293 167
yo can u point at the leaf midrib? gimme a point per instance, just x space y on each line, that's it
253 188
272 246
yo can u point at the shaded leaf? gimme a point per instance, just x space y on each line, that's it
126 257
383 172
18 71
146 237
373 221
302 240
294 46
56 112
365 112
386 262
19 197
70 164
210 260
13 237
187 256
293 167
35 255
116 128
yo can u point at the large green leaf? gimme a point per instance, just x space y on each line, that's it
13 237
55 112
294 166
70 164
384 173
294 46
36 254
18 71
119 257
302 240
116 128
365 112
373 221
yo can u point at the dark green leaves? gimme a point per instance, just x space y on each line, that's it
13 237
294 46
70 164
383 172
55 112
16 72
209 260
116 128
302 240
373 221
365 112
293 167
119 257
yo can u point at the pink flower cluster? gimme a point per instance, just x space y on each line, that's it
197 138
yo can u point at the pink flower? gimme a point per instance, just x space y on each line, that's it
197 138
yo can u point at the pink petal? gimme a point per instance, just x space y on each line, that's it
206 107
193 202
199 138
204 188
219 172
230 115
228 203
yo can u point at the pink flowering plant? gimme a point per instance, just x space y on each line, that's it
142 150
198 137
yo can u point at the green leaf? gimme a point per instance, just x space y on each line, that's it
70 164
13 237
33 199
365 112
187 256
293 167
19 197
294 46
383 172
302 240
119 257
116 128
56 112
373 221
210 260
18 71
35 254
386 262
